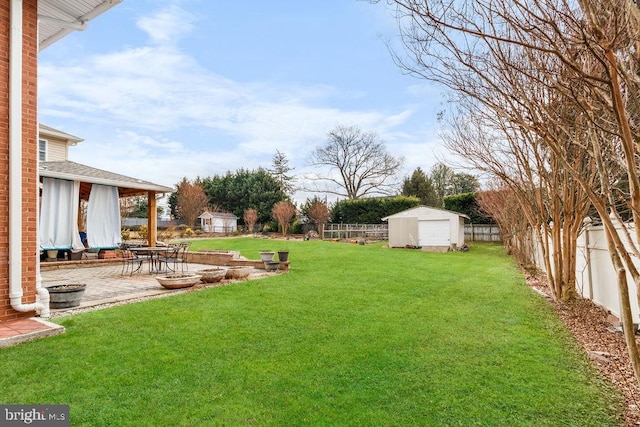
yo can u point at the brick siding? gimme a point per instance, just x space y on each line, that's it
29 157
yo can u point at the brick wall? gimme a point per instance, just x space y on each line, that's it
29 157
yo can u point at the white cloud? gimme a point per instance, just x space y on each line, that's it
167 25
126 103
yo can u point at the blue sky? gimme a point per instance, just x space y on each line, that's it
187 88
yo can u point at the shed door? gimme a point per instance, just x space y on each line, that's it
434 233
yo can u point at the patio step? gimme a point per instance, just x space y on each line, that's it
17 331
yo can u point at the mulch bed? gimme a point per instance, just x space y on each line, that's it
592 327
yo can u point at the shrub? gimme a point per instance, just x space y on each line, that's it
143 232
371 210
296 228
466 203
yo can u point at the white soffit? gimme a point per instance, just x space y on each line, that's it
57 18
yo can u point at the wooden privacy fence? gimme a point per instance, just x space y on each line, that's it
482 233
356 231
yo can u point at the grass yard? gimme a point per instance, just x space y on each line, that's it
352 335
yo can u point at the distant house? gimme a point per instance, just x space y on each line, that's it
426 227
218 222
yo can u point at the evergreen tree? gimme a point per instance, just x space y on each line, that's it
419 185
244 189
280 172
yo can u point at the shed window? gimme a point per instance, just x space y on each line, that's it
42 150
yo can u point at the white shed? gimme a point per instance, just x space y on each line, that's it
218 222
426 227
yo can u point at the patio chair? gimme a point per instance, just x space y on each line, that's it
129 260
182 256
169 258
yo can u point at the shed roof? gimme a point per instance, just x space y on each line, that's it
415 212
88 175
208 215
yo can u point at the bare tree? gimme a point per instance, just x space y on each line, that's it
560 74
283 213
126 206
553 203
359 164
250 218
191 201
501 203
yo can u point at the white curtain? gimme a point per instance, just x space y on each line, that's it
59 215
103 217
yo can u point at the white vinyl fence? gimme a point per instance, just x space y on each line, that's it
595 275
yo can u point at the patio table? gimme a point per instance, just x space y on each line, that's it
153 253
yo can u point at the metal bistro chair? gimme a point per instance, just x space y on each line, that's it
131 259
182 256
169 257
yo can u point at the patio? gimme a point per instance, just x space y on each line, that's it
106 287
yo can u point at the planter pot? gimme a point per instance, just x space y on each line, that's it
65 296
75 256
271 265
238 272
212 275
52 255
177 281
283 256
267 256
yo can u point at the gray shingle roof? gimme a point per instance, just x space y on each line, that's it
83 173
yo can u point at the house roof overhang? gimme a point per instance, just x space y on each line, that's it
57 18
87 175
48 131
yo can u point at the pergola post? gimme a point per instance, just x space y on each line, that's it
80 218
152 218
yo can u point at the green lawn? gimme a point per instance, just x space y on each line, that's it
352 335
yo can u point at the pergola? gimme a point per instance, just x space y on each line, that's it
56 19
127 186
